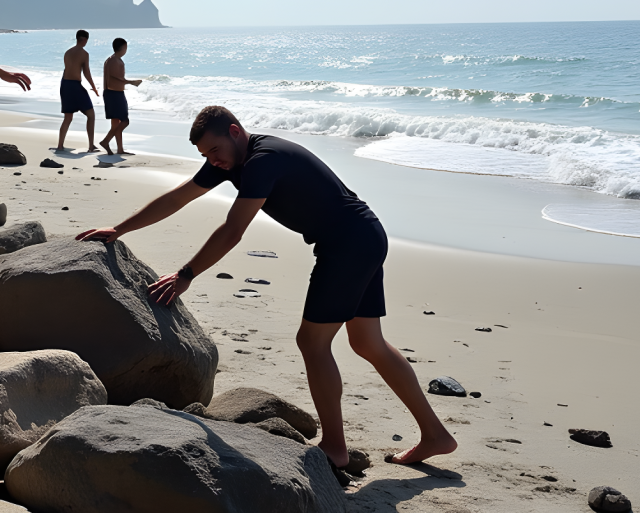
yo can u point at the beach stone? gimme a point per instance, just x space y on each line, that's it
247 293
197 409
91 298
3 214
606 498
358 462
224 276
486 330
428 313
20 236
444 385
277 426
396 438
51 163
11 156
588 437
105 459
244 405
263 254
257 281
38 389
475 395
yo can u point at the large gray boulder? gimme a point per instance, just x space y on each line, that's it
104 459
20 236
244 405
38 389
11 156
91 298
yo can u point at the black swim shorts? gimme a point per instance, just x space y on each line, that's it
115 105
74 97
346 281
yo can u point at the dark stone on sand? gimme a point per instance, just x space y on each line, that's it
21 236
50 163
40 388
224 276
91 298
593 438
411 359
428 313
65 208
104 459
3 214
247 293
444 385
11 156
279 427
244 405
396 438
551 479
475 395
263 254
17 173
501 326
606 498
60 172
242 351
486 330
407 349
547 424
358 462
257 281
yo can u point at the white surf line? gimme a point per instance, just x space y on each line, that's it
546 217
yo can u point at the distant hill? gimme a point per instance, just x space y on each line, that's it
76 14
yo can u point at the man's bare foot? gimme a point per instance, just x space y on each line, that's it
339 457
122 152
105 145
93 149
428 447
59 149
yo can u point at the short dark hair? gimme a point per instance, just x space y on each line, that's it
82 33
214 119
118 43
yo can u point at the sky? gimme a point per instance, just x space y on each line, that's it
204 13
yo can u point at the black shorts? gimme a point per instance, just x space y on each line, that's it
346 281
115 105
74 97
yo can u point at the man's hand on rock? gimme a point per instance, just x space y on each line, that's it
101 234
168 288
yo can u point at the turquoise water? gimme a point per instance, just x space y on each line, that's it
553 102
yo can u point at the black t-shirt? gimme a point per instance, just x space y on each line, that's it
302 193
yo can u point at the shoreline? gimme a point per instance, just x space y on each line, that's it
570 338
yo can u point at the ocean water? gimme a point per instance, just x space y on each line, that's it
551 102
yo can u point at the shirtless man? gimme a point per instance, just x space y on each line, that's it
16 78
115 102
75 97
298 190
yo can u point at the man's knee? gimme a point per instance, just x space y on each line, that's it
91 114
367 348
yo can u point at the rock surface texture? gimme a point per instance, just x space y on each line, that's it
104 459
38 389
244 405
589 437
605 498
21 236
11 156
91 298
444 385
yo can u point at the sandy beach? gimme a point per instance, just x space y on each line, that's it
563 349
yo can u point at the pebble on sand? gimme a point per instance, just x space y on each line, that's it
396 438
247 293
593 438
50 163
486 330
224 276
257 281
606 498
263 254
428 313
445 385
65 208
475 395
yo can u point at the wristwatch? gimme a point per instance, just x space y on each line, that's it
186 272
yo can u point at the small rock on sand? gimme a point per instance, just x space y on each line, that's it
407 349
486 330
242 351
428 313
411 359
263 254
396 438
224 276
50 163
444 385
21 236
475 395
257 281
10 155
247 293
358 462
606 498
593 438
65 208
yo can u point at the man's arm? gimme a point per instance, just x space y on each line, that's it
87 73
16 78
223 240
157 210
116 72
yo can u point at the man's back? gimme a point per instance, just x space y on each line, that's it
75 59
114 67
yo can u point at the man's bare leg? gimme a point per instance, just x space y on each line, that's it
325 384
64 128
366 339
91 126
119 142
117 127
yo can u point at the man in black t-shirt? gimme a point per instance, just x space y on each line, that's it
299 191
